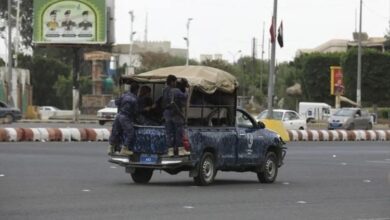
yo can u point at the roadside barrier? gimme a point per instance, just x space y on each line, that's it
339 135
103 134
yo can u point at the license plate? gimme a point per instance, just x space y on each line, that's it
148 158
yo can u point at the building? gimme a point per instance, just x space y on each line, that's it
208 57
121 51
342 45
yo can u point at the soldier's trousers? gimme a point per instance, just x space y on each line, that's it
122 132
174 130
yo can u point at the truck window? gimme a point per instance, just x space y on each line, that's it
211 110
243 121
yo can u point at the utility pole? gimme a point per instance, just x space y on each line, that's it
272 63
11 100
262 61
131 68
187 39
17 33
359 63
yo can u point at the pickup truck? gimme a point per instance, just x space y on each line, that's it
218 135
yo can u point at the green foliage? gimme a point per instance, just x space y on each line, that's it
375 76
44 72
2 63
313 70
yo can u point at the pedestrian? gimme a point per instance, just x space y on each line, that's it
123 126
173 101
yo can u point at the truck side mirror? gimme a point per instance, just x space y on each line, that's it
260 124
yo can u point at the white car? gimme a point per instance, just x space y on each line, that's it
108 113
291 119
53 112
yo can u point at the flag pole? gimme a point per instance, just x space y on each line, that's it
272 64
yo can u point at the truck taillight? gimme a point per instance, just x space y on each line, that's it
186 143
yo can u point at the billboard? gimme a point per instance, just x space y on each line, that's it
336 81
70 22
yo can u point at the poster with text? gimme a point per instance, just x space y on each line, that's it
336 81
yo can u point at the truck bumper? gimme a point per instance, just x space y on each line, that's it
162 163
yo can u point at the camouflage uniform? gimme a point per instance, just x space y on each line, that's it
123 126
173 115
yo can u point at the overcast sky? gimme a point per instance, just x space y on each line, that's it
226 26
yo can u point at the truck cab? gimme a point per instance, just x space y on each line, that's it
218 135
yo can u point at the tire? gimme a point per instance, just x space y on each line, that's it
142 175
102 122
8 119
206 170
269 169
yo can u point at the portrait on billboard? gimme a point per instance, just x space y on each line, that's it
68 22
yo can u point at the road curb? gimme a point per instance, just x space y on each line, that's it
54 134
339 135
102 134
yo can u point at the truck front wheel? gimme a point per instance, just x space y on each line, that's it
142 175
269 171
206 170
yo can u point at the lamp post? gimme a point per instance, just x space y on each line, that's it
131 70
234 55
359 67
187 39
272 64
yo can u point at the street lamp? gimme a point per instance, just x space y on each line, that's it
234 55
187 39
132 33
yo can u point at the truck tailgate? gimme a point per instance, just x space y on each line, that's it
150 140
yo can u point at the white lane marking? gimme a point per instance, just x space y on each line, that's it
286 183
113 167
86 190
1 175
260 189
302 202
367 181
188 207
343 164
334 155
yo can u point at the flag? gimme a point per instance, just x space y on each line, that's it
280 34
272 31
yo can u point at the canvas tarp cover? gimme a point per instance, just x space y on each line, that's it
207 79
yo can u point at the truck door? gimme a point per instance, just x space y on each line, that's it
249 142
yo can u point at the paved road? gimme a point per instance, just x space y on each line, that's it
327 180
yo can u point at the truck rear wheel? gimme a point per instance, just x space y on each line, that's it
269 171
206 170
142 175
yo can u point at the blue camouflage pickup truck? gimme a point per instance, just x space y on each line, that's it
218 135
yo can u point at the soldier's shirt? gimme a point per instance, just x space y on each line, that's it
52 25
85 25
68 25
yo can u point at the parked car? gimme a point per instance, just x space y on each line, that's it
350 118
107 113
291 119
54 112
218 135
8 113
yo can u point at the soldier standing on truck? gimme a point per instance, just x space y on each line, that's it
123 126
173 102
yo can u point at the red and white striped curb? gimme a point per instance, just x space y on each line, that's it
102 134
54 134
339 135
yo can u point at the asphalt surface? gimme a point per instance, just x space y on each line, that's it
328 180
